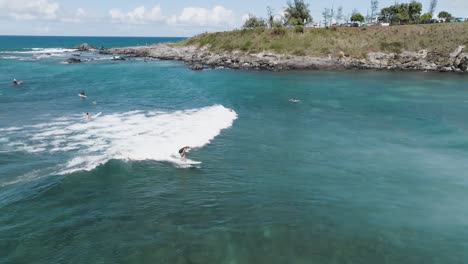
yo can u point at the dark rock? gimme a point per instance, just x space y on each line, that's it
118 58
85 47
463 65
72 60
198 58
196 66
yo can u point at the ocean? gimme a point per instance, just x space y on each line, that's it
369 166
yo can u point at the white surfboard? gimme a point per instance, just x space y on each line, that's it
82 96
92 116
183 163
96 115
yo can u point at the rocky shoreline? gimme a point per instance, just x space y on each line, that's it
198 58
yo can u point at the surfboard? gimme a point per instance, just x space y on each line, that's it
96 115
93 116
183 163
82 96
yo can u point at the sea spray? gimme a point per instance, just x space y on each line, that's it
135 135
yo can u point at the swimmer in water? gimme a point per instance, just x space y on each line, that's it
183 151
88 115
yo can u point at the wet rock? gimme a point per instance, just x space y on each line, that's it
197 58
72 60
196 66
85 47
118 58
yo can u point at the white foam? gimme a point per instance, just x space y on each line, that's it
41 51
135 135
10 57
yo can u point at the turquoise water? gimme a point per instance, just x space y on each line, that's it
370 167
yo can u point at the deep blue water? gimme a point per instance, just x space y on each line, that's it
370 167
28 42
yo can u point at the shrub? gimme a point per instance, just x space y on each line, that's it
246 46
254 22
299 29
259 30
391 46
278 31
299 52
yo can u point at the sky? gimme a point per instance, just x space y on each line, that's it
168 18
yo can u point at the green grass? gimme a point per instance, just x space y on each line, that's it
356 42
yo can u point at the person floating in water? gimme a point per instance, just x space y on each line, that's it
183 151
88 115
15 82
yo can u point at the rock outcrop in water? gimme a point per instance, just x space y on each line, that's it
198 58
72 60
85 47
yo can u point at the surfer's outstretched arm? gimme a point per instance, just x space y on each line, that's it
183 152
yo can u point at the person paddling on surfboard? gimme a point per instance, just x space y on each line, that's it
83 95
88 115
15 82
183 151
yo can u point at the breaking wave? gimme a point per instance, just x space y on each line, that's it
135 135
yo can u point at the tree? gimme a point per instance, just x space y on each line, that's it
426 17
326 16
401 13
339 14
357 17
446 16
297 13
374 9
254 22
432 7
270 17
332 15
414 11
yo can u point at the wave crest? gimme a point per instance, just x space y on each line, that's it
135 135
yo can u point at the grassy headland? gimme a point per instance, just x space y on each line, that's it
354 42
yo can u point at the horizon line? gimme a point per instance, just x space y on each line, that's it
113 36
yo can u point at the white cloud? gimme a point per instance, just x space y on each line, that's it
80 12
195 16
459 3
76 17
137 16
30 9
42 29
